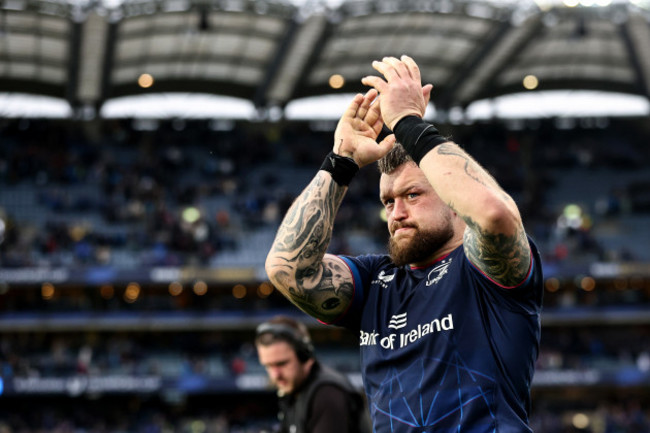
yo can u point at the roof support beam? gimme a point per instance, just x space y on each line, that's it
636 34
306 47
502 55
109 60
448 96
74 53
93 45
260 98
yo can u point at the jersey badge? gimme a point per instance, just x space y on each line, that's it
439 271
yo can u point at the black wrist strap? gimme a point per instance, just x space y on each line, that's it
417 137
340 167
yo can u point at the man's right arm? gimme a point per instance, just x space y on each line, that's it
320 284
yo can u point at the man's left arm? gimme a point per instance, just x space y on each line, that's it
495 239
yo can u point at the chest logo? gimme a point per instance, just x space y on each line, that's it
397 321
439 271
403 338
383 279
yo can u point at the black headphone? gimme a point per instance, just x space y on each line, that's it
301 343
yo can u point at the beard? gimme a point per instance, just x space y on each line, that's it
421 246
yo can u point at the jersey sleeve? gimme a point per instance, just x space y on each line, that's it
527 296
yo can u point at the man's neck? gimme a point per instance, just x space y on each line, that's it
439 254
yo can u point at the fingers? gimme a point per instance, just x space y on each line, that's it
353 108
374 111
399 83
387 68
368 99
412 67
392 69
375 82
400 68
377 126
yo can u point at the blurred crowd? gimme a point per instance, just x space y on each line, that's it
172 196
189 354
229 353
141 414
133 194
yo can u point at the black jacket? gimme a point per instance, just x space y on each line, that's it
325 403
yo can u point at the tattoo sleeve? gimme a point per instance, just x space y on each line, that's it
471 168
319 285
504 258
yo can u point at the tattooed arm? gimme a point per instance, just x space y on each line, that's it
494 239
321 284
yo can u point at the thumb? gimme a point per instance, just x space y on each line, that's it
426 93
387 143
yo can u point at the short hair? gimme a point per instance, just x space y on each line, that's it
393 159
283 328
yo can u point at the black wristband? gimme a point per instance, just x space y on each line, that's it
340 167
417 136
385 132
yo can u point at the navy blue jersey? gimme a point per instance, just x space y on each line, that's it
443 347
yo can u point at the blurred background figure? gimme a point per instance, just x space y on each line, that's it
313 397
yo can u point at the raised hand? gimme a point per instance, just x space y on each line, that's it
401 90
357 131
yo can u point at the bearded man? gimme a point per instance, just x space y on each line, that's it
449 320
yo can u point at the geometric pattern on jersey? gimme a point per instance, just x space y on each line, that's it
443 348
458 387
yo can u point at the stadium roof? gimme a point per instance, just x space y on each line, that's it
274 52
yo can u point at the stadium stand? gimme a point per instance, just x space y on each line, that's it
120 310
132 250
